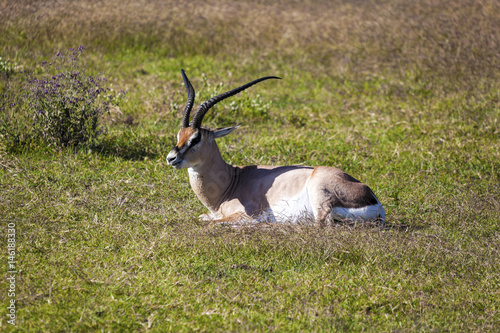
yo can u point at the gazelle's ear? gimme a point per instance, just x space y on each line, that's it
221 132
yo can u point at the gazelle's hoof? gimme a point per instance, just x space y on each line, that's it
206 218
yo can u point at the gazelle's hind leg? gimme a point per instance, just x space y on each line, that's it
321 204
322 215
334 195
325 214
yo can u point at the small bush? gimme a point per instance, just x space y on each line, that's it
6 67
61 108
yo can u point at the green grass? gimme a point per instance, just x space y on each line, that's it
403 96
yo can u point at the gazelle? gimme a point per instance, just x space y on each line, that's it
263 193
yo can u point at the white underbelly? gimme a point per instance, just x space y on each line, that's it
292 210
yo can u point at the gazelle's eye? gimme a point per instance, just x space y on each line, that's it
195 140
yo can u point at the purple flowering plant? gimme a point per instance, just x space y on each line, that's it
65 104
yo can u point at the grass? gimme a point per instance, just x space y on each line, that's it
401 95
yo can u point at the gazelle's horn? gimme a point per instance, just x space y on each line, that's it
203 109
190 100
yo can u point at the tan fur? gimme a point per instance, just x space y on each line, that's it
238 193
184 135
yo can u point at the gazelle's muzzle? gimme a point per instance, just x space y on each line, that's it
174 158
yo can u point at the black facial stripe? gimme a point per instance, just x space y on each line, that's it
195 140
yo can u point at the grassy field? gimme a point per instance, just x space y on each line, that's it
402 95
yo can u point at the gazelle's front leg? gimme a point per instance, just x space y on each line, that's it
207 218
236 218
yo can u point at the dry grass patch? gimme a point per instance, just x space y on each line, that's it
451 40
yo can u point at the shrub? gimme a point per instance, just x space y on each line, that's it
6 67
63 106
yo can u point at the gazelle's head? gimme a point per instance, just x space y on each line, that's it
194 143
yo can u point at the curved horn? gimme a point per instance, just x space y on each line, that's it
190 100
203 109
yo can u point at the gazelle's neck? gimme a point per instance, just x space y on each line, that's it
212 179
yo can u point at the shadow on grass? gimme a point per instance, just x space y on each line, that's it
404 225
252 227
389 224
128 146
